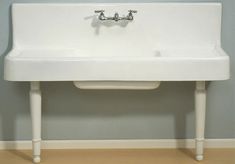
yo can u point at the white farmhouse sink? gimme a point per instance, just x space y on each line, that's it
164 42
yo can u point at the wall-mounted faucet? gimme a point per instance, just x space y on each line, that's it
116 16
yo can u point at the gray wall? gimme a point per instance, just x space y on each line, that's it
69 113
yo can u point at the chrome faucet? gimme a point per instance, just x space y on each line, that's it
116 16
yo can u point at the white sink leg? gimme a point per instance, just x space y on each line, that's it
200 107
35 107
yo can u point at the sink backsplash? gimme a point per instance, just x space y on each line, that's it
155 26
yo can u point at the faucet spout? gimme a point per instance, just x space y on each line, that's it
116 17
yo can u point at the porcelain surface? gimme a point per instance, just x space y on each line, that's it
164 42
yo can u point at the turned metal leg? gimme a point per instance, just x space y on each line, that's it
35 107
200 107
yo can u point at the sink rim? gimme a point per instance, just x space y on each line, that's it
16 54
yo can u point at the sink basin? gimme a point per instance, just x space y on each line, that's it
164 42
68 65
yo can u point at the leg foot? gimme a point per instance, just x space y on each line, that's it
199 157
36 159
199 149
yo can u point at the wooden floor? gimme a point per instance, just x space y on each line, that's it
127 156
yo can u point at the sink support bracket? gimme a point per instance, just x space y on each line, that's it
35 107
200 113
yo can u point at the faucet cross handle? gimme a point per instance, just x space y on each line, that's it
99 11
132 11
130 15
101 15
